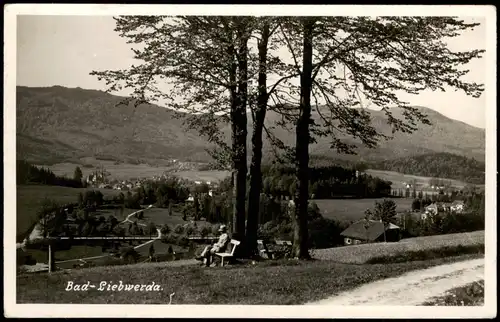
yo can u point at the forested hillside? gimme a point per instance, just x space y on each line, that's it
58 124
443 165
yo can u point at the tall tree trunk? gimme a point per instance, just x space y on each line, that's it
255 166
300 236
240 135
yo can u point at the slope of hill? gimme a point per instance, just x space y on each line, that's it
58 124
443 135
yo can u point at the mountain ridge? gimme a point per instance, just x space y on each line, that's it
56 124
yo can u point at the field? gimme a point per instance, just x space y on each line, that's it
118 171
212 175
360 254
30 197
79 251
399 180
268 282
124 171
160 216
349 210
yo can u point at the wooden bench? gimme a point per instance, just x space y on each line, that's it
262 247
284 242
229 254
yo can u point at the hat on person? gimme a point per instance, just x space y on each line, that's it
222 228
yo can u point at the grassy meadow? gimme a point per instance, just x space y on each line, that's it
116 170
267 282
399 180
125 171
360 254
160 217
349 210
209 175
78 251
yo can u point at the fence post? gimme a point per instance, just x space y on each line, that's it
50 258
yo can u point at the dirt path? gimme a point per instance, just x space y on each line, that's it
132 214
413 288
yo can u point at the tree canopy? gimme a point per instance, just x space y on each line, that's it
337 67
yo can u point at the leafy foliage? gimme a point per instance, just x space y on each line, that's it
207 61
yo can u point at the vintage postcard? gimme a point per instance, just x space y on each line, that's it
203 160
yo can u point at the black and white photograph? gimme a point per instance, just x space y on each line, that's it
197 161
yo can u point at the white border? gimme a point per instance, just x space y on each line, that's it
64 310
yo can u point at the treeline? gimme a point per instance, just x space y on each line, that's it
472 199
276 223
173 193
325 182
471 219
30 174
443 164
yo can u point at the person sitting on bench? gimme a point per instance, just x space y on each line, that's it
220 246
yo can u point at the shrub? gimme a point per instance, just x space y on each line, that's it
179 229
325 233
443 224
190 230
151 229
129 255
204 231
165 229
182 241
132 201
313 211
469 295
24 258
169 239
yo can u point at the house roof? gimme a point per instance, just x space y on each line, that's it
357 230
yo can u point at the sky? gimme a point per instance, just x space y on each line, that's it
63 50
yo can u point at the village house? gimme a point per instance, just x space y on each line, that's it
423 216
360 233
446 206
432 208
457 206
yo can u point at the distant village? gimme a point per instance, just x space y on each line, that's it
100 179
